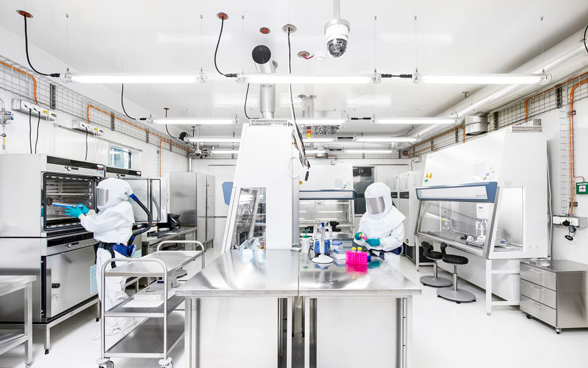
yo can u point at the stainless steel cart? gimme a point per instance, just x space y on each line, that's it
161 330
9 339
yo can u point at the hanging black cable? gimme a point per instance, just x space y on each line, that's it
55 75
166 129
86 157
245 105
122 101
30 132
292 106
37 139
585 41
228 75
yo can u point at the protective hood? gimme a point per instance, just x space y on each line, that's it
118 192
378 200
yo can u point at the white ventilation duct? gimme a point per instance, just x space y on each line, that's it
262 56
560 61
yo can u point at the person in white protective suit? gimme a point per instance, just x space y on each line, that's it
381 228
112 227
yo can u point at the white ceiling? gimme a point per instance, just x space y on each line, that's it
149 36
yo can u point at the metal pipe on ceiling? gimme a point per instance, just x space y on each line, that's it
262 57
560 61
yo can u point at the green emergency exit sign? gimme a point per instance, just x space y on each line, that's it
582 188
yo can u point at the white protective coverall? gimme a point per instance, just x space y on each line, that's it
112 224
382 221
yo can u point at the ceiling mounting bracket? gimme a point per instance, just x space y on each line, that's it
222 16
24 13
289 28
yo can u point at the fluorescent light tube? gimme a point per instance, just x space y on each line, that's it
318 121
224 152
195 121
316 151
130 79
416 121
213 140
385 139
484 79
318 140
307 79
367 151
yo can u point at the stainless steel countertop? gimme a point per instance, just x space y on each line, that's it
169 236
7 283
246 273
559 266
282 273
340 281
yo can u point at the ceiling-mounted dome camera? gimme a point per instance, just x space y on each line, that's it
337 37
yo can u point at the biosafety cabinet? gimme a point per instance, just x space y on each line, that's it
408 204
487 199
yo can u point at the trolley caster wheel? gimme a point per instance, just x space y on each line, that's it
46 351
438 296
558 331
529 316
166 363
28 365
103 363
97 319
458 302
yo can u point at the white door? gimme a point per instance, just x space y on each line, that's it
223 174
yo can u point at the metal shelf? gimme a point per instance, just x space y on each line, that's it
9 341
145 312
146 340
172 261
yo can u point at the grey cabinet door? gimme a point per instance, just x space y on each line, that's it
68 279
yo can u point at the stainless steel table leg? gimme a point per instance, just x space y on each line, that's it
306 332
28 324
47 339
407 332
289 331
190 332
280 326
98 311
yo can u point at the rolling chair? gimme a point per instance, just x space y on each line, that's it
454 294
433 281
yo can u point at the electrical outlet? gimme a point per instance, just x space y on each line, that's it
26 107
573 220
84 126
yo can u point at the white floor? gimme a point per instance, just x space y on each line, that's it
445 334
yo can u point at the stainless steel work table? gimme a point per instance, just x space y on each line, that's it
173 234
9 339
235 309
345 307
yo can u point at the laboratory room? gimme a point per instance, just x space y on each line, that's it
294 184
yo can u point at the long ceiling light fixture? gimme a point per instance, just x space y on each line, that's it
196 121
224 152
132 78
418 121
316 151
318 140
320 121
212 140
377 151
386 139
308 79
482 78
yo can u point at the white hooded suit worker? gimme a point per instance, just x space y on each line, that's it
112 227
382 224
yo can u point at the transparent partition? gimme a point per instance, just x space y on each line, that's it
339 213
476 224
249 229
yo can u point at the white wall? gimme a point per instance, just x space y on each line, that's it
576 250
65 143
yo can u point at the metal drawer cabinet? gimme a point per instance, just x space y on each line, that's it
555 292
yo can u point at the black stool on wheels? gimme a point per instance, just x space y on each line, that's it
454 294
433 281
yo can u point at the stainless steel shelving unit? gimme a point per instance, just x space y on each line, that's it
11 339
162 329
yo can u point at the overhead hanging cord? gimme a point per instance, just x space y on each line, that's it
585 42
416 50
228 75
166 129
122 103
25 15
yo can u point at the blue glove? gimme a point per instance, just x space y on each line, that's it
357 237
373 242
74 212
84 209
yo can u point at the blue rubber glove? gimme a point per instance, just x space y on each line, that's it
74 212
84 209
373 242
357 237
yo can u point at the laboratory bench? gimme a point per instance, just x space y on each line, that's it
240 311
151 242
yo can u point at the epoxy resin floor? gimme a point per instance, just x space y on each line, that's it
445 335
